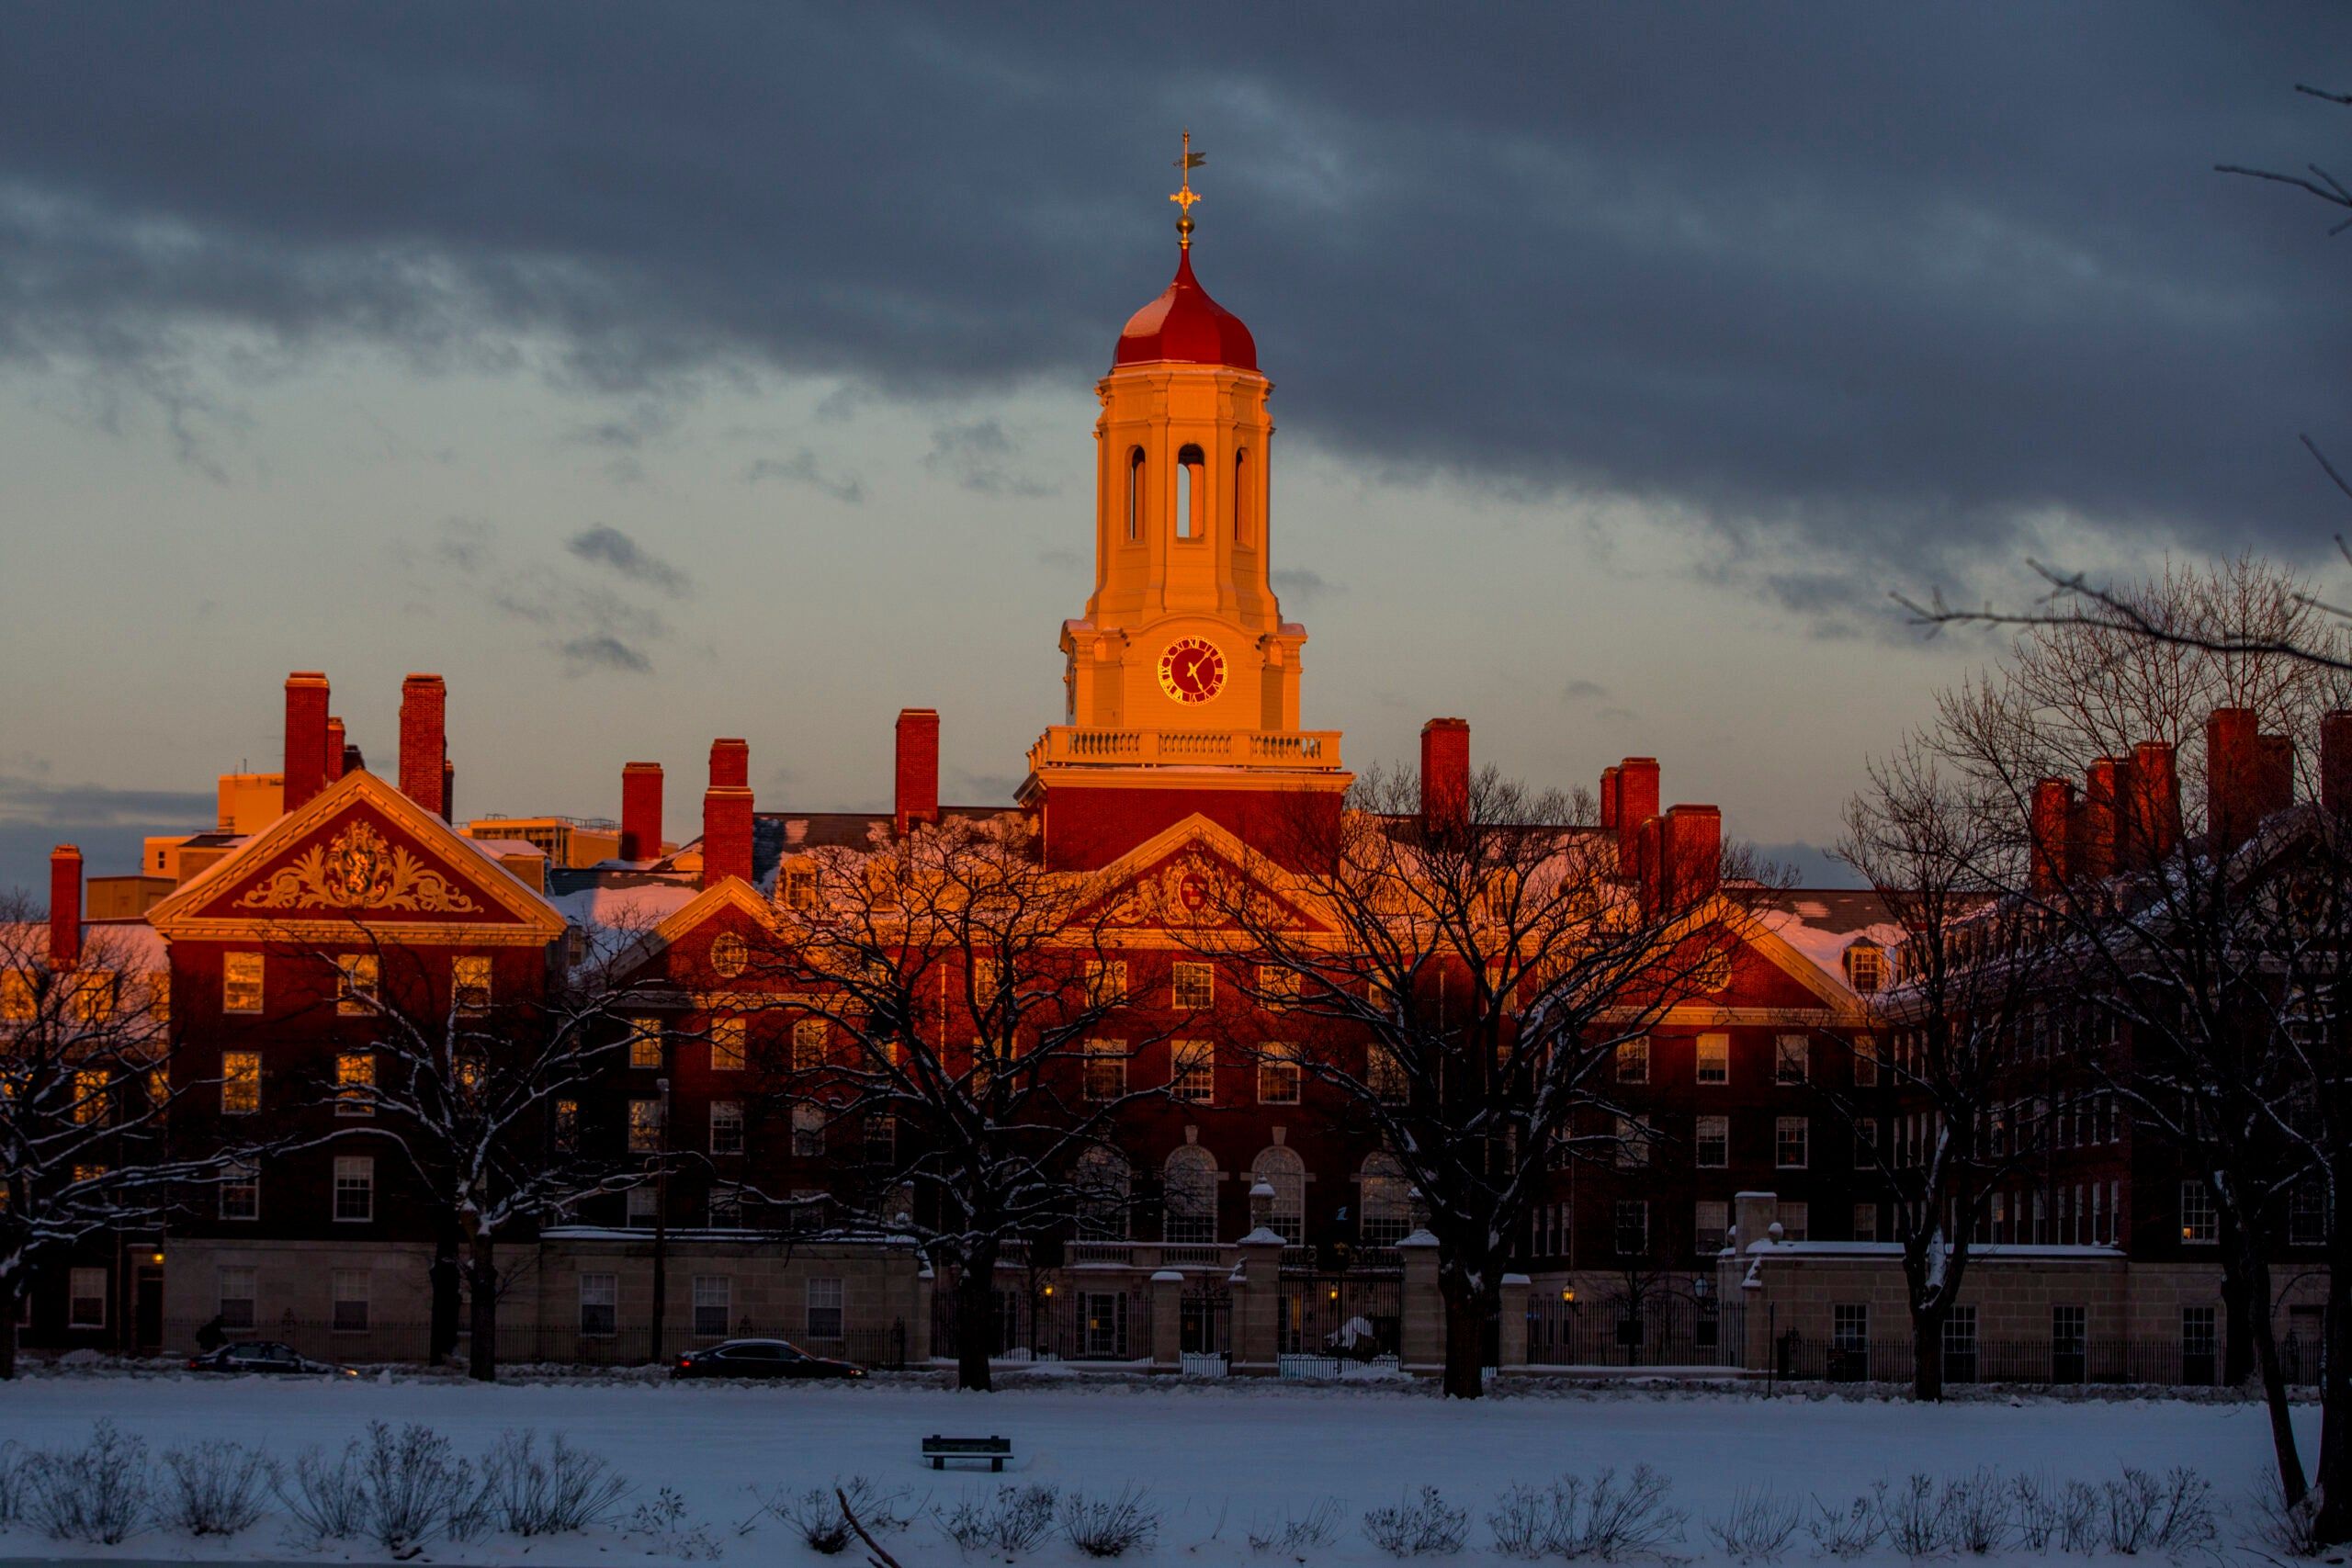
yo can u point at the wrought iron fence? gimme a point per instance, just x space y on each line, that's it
1659 1331
1070 1319
374 1343
1327 1324
2042 1361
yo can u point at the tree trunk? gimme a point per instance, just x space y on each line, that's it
444 1276
2333 1524
975 1309
1927 1349
2255 1271
482 1276
1467 1313
9 1312
2237 1325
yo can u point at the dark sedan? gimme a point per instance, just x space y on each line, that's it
263 1356
760 1359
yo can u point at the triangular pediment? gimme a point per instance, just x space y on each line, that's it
1191 877
1814 989
358 856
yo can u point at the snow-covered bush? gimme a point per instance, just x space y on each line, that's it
417 1486
2036 1509
329 1495
215 1487
2289 1532
1112 1525
1573 1518
95 1493
1849 1532
13 1457
1978 1509
531 1490
1759 1525
662 1520
1520 1520
1012 1519
1915 1514
1296 1535
1424 1524
2145 1513
817 1517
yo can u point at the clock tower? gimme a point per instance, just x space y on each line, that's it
1182 671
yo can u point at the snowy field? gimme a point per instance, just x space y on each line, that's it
1218 1461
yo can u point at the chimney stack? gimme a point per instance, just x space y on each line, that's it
2335 763
64 906
1609 797
2051 825
338 749
727 814
448 791
1637 804
2274 775
2231 754
1445 776
1692 849
2155 802
2103 784
914 795
642 811
306 737
424 746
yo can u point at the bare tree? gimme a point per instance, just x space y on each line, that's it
979 1001
1480 967
86 1096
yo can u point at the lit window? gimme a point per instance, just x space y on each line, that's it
729 955
808 1044
729 1038
17 1003
239 1288
2201 1223
799 888
354 1188
644 1127
1865 967
1195 987
1277 988
567 1126
469 980
1106 1069
1106 983
645 1043
1791 1058
726 1127
85 1298
355 981
1791 1142
807 1131
599 1303
1278 1073
1633 1060
354 1083
1714 1058
1709 1224
240 1082
824 1309
1192 1075
90 1106
92 999
349 1302
714 1304
240 1190
241 982
1711 1142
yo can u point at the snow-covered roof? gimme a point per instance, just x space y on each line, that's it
620 901
131 945
1821 923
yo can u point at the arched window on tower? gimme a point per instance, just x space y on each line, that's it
1188 1184
1241 496
1134 493
1192 494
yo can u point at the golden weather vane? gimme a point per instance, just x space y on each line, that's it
1185 194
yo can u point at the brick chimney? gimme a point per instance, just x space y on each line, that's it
2335 763
727 814
1609 797
2231 753
914 790
2103 782
306 737
2274 775
1691 854
1648 859
2155 795
64 906
1637 804
642 811
424 746
2050 825
338 749
449 790
1445 775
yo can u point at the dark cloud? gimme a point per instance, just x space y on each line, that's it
606 546
802 468
1300 583
1810 866
1874 294
36 801
1582 691
980 457
605 651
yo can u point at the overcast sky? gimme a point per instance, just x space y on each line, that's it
661 373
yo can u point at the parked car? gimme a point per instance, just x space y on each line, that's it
263 1356
760 1359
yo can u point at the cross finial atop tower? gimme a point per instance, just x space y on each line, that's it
1185 194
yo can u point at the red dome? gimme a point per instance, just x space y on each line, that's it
1185 325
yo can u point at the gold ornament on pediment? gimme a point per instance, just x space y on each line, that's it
357 870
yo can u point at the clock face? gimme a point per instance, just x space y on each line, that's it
1191 670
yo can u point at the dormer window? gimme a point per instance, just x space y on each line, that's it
1865 967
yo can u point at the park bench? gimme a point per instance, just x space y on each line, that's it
939 1450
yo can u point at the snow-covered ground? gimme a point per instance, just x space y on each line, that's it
1218 1460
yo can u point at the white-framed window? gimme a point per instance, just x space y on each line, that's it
1104 1183
358 975
642 1206
645 1126
1389 1084
240 1083
2201 1223
1866 1061
729 1043
1850 1326
809 1040
2307 1215
1188 1191
1714 1058
85 1298
469 982
1710 1225
600 1296
1633 1060
1277 988
241 982
807 1132
1633 1227
240 1190
1866 1222
1865 967
1797 1221
354 1083
714 1305
645 1043
1106 982
1192 1071
1279 1166
18 1003
825 1309
1711 1142
91 998
1633 1143
349 1300
725 1205
1194 989
1791 1058
566 1128
800 886
239 1293
726 1126
1383 1202
1791 1142
1106 1069
1278 1073
92 1097
354 1188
